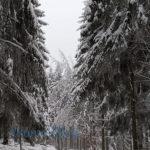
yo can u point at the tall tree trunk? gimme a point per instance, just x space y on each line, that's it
147 140
58 141
80 142
123 144
93 127
140 139
133 110
66 142
103 133
71 142
85 142
5 137
6 126
20 141
107 140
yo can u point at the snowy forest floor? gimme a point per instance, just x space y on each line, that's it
15 146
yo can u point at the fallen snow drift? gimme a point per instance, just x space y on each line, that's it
26 147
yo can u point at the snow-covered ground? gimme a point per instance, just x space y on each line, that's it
26 147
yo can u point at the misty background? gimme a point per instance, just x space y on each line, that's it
63 22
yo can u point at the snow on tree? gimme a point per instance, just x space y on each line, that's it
22 66
112 62
60 83
60 98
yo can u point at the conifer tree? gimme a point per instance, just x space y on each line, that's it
112 62
22 65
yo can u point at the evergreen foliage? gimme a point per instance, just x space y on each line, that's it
22 66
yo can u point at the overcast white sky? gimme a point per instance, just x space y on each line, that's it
62 17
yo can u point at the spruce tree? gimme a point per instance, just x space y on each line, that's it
112 61
22 65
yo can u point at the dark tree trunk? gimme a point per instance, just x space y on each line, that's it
140 139
71 142
20 141
103 133
6 127
5 138
107 140
58 141
80 142
147 140
133 110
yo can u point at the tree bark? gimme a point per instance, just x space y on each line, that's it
20 141
80 142
107 140
6 127
71 142
103 133
133 110
58 141
146 140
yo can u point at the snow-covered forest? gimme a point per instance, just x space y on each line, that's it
102 102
